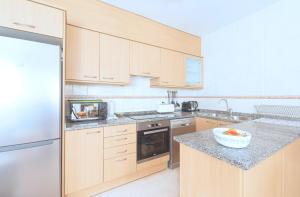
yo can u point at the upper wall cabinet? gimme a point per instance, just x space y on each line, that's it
32 17
102 17
193 67
144 59
114 60
82 54
171 72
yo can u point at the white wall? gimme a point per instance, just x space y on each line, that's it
123 96
258 55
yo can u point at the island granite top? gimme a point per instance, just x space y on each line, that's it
268 137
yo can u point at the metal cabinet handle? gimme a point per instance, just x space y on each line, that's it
24 25
93 132
122 139
125 151
146 73
108 78
165 82
122 131
122 159
185 125
90 76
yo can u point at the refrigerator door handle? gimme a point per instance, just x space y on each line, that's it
26 146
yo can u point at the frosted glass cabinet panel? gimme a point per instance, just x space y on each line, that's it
193 71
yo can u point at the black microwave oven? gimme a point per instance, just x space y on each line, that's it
86 110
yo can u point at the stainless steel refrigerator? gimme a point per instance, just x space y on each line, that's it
30 118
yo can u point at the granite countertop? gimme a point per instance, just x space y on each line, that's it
268 136
71 126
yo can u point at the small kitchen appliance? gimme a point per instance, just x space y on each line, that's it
189 106
85 110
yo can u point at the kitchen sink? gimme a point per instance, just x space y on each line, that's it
240 118
227 117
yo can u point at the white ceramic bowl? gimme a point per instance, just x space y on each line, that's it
230 140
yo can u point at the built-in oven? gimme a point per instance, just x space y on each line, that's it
152 140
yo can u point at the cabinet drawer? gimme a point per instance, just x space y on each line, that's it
32 17
120 166
119 140
119 151
119 130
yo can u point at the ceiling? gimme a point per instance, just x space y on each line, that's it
198 17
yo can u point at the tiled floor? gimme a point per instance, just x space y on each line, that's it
162 184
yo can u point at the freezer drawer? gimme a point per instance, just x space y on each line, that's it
31 171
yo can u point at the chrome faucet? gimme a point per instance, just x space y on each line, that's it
229 110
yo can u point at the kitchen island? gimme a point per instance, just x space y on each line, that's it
268 167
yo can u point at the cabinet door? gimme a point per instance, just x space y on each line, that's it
193 68
144 59
171 69
82 54
83 159
204 124
119 166
114 59
32 17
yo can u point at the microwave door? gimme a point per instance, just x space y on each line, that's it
74 112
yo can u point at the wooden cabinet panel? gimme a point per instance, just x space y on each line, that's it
119 140
144 59
265 179
204 176
119 130
102 17
114 59
204 123
32 17
171 72
119 151
120 166
82 54
83 159
292 170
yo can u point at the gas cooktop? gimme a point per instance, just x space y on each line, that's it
152 116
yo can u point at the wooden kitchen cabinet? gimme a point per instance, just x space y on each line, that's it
114 59
119 140
83 159
171 73
193 70
32 17
144 60
120 151
82 54
119 166
119 130
204 123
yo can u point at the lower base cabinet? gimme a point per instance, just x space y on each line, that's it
100 159
204 124
83 159
120 166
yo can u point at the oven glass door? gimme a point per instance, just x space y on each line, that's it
152 143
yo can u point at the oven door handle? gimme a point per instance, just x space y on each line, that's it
155 131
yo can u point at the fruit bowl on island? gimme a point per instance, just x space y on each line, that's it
233 138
